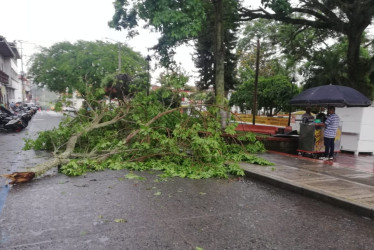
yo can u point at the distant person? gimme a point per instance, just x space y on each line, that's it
321 115
331 127
12 106
307 116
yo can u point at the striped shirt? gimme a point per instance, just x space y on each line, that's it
331 126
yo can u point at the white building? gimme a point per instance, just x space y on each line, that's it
10 86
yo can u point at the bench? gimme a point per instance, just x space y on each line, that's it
260 129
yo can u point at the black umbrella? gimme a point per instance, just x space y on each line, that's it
333 95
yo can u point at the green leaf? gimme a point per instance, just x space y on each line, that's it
120 220
132 176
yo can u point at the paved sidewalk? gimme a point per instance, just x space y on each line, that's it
347 182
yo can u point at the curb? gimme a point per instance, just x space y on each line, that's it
317 194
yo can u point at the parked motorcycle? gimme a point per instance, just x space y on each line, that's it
11 124
11 121
24 113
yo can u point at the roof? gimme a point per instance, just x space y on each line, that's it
5 49
15 50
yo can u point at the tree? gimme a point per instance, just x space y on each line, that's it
172 82
74 65
281 42
350 18
121 86
139 136
204 47
285 51
178 22
326 66
274 92
276 68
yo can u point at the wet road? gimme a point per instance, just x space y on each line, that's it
13 158
107 210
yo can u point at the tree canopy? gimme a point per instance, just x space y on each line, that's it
178 22
313 22
71 66
274 92
350 18
276 68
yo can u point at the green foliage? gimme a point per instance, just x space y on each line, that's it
175 78
276 66
329 65
58 106
274 92
204 57
51 139
132 176
280 7
177 21
317 24
73 66
180 22
177 144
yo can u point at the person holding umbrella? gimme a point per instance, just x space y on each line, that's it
331 127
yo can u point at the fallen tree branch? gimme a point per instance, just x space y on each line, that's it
64 157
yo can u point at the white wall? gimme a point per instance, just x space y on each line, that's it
357 129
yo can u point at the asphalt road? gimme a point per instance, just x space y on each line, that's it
107 210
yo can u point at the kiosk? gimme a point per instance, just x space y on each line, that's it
311 140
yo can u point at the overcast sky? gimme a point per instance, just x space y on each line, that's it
45 22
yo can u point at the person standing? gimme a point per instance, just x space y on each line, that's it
12 106
307 116
331 127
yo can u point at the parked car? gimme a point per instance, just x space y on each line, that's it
69 109
30 106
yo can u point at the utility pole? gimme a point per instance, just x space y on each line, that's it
22 73
148 59
119 58
256 84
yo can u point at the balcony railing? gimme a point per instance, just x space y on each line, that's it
4 78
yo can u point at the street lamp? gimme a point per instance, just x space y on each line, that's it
254 109
289 115
148 59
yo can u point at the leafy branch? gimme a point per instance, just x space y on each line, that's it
139 136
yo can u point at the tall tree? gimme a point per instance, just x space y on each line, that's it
204 47
350 18
325 66
73 65
275 88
